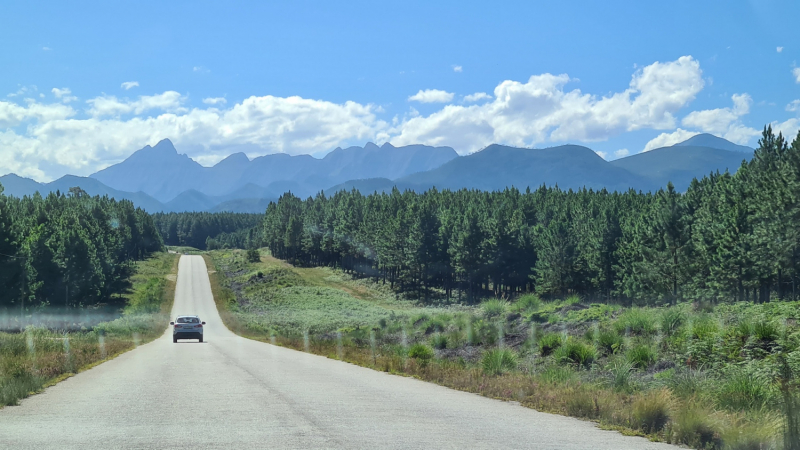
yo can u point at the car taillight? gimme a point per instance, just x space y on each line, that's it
199 326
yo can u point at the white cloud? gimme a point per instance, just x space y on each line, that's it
64 94
476 97
200 69
796 73
601 154
458 69
793 106
779 49
788 128
47 49
621 153
431 96
668 139
46 141
724 122
109 105
524 114
127 85
215 101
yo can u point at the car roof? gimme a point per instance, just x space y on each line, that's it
187 316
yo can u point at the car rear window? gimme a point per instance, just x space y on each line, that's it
188 320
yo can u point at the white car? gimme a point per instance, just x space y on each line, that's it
187 327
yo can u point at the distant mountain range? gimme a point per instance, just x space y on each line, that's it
158 178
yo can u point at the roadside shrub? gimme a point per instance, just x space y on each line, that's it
609 342
494 307
581 403
499 361
421 352
636 321
620 371
640 355
576 352
742 389
651 411
557 375
671 320
548 343
434 325
439 341
695 428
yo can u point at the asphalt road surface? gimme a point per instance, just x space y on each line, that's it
231 392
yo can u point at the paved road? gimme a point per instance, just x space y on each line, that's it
231 392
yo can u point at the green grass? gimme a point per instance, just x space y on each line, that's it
498 361
38 356
686 374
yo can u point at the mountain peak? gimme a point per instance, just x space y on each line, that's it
165 145
711 141
234 159
371 146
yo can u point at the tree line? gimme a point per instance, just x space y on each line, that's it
69 250
209 231
728 237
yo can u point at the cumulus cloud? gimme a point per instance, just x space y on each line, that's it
788 128
45 141
779 49
458 69
431 96
215 101
621 153
64 94
127 85
477 97
668 139
724 122
796 73
527 113
109 105
793 106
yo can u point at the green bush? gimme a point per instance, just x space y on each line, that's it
766 331
558 374
704 327
651 411
636 321
499 361
695 428
575 352
548 343
609 342
743 389
621 371
528 302
439 341
581 403
494 308
253 255
641 355
421 352
671 320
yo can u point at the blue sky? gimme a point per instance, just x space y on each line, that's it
305 77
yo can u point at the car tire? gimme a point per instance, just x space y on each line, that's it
174 340
200 339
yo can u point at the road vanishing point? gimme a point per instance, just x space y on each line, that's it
232 392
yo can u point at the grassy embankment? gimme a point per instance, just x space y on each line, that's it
40 357
700 375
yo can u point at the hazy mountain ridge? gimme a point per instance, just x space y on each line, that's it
158 178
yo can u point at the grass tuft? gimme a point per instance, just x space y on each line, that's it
499 361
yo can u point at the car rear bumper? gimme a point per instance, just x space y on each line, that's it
187 335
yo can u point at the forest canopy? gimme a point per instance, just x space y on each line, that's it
69 250
728 237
